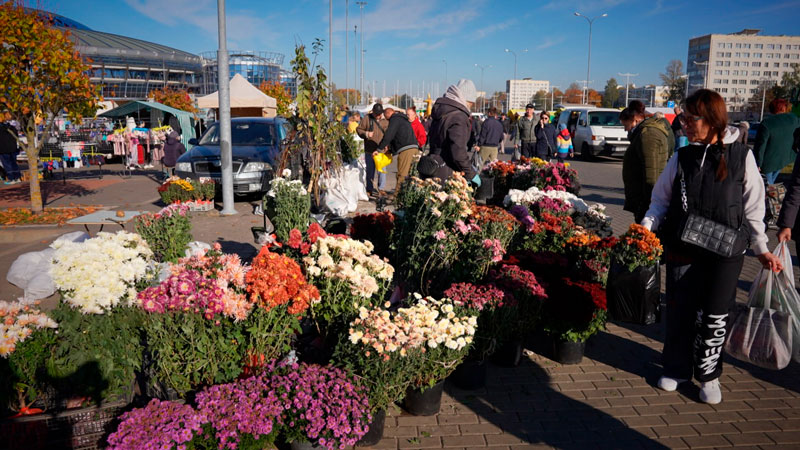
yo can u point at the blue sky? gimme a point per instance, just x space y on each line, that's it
406 40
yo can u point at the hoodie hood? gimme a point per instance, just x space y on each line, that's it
462 92
654 123
172 138
445 105
730 135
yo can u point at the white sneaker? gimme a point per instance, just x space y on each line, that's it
710 392
670 384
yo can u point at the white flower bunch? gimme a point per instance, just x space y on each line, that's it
95 275
350 261
18 320
282 183
439 324
533 194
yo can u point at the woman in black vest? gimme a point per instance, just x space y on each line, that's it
715 177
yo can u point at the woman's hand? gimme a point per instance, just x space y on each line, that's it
770 261
785 234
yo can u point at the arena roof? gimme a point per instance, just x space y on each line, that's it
90 42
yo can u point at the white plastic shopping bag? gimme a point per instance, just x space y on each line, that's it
764 332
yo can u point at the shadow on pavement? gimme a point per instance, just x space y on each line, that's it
524 404
51 190
245 250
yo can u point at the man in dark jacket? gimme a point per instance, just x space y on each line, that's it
650 146
401 141
8 152
450 132
173 149
546 135
491 136
525 126
773 148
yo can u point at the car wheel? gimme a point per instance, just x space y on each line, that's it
586 152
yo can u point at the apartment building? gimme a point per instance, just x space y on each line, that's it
521 92
736 64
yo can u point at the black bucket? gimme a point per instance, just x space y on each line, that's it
566 352
424 403
486 189
375 433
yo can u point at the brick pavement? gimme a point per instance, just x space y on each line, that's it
610 399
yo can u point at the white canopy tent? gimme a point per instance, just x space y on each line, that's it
362 109
246 100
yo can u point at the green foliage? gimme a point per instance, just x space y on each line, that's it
569 334
21 382
167 233
387 380
190 352
288 206
180 190
611 93
349 148
316 133
269 334
95 355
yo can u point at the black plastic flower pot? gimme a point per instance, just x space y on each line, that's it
470 375
509 354
424 402
304 446
566 352
486 189
375 433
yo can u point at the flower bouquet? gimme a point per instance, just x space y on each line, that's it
634 279
427 210
348 276
179 190
159 425
546 175
376 228
590 255
26 338
527 294
502 172
167 232
495 311
288 205
322 405
545 231
574 310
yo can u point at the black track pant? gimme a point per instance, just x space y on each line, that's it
528 149
700 296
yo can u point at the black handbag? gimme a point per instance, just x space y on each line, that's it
706 233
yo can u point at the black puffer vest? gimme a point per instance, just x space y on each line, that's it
720 201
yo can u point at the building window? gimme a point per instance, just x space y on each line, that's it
721 45
725 81
756 64
727 54
756 73
717 72
770 47
717 81
736 72
729 45
742 81
758 45
753 81
736 64
727 72
727 63
785 56
785 64
746 54
795 56
745 63
769 55
753 91
744 72
776 64
737 54
719 64
734 81
756 55
723 90
746 45
720 54
738 45
778 46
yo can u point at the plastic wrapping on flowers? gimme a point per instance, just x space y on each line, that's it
288 205
574 310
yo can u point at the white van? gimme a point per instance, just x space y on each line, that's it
595 130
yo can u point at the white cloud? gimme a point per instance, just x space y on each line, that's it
493 28
583 6
414 15
427 46
202 14
549 43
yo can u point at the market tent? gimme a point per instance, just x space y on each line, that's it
246 100
156 117
362 109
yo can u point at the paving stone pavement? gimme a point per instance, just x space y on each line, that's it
610 399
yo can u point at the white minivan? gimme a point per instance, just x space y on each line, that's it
595 130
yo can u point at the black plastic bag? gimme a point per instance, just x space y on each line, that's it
634 297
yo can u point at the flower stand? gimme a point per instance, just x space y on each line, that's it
566 352
375 433
470 375
424 403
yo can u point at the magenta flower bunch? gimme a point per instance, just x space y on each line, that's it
322 405
476 296
513 279
245 409
550 204
186 291
159 425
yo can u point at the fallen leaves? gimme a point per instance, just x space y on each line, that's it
59 216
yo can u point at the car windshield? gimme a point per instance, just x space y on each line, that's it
242 133
605 118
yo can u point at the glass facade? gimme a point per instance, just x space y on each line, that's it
256 67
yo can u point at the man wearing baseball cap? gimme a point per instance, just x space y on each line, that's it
526 133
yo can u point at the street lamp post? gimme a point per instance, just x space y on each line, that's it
627 83
589 61
483 100
552 97
686 77
225 149
515 59
361 6
764 85
346 53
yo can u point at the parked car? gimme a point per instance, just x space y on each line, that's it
256 147
595 130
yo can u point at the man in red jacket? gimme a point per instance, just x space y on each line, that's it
419 129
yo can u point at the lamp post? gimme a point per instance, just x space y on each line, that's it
552 94
589 61
346 54
225 149
361 6
764 85
685 77
515 59
483 100
627 83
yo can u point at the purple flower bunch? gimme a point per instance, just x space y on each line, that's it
522 214
322 405
157 426
247 406
186 291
